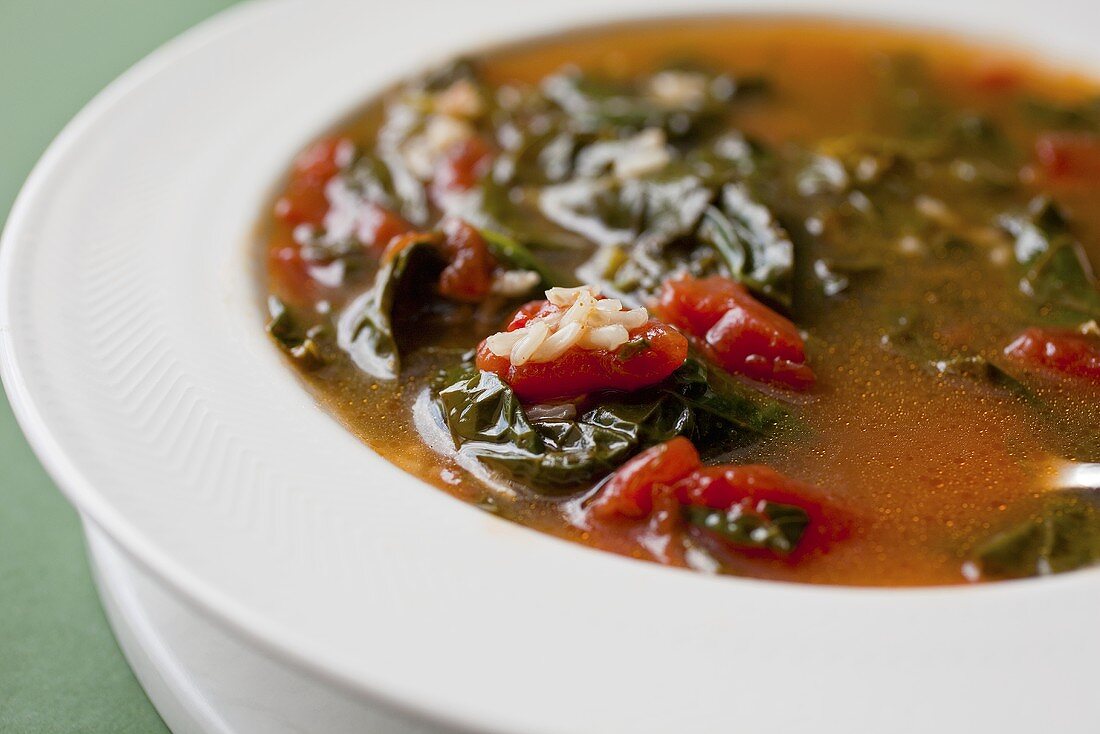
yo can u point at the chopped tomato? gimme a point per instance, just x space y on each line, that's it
528 311
322 160
998 77
740 333
378 226
290 274
464 165
630 490
747 486
1058 352
304 200
469 272
1068 156
580 371
672 471
468 275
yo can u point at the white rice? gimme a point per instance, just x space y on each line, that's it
583 320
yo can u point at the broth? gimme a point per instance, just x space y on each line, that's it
906 170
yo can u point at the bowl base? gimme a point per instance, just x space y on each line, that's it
204 680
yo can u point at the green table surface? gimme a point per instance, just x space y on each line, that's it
60 668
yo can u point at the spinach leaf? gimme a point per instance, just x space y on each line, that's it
595 103
487 421
365 328
596 209
572 452
755 247
672 207
1082 116
911 337
769 525
301 345
370 178
721 402
462 68
909 100
649 419
729 157
837 274
1063 278
979 368
650 212
1057 273
514 210
510 252
1064 535
480 407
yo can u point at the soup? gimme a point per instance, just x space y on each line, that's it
774 298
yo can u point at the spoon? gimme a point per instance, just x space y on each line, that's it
1075 475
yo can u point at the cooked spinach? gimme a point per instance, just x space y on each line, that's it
979 368
769 525
487 421
649 213
301 344
672 207
753 245
510 252
836 275
1063 535
595 103
720 399
1056 270
479 406
462 68
369 177
365 328
1082 116
911 337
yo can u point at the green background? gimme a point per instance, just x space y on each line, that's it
60 669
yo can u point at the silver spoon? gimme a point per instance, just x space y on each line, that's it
1075 475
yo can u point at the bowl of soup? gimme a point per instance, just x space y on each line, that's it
602 366
693 300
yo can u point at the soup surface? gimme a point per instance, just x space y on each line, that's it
773 298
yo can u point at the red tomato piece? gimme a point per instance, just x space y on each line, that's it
671 473
696 305
740 333
529 311
290 274
1058 352
998 77
630 490
581 371
378 226
749 485
462 167
469 273
1067 156
723 487
304 200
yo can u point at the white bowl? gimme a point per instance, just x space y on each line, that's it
134 356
